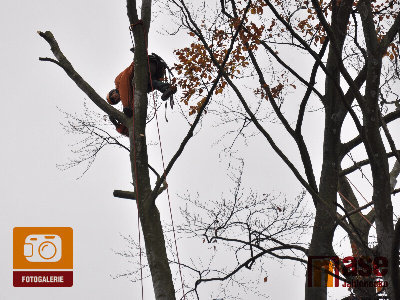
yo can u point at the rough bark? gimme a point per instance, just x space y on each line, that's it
362 226
373 140
324 225
148 211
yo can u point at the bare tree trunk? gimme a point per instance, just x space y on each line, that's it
148 212
325 225
373 140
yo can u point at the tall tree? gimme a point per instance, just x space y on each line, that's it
351 45
144 194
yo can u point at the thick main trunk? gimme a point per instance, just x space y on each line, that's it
150 221
381 188
324 225
373 142
363 229
149 215
156 253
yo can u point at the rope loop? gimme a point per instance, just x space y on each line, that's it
134 24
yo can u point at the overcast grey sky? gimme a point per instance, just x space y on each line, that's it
95 38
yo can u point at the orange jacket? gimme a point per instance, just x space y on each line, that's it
123 83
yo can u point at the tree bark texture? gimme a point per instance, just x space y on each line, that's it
149 215
324 225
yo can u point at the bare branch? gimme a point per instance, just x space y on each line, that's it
359 164
347 147
64 63
348 214
203 106
124 194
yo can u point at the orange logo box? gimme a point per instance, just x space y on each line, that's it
43 256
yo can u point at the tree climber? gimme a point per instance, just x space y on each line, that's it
124 89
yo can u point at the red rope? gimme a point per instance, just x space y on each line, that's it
357 190
361 214
134 24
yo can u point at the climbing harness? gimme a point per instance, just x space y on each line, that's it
161 67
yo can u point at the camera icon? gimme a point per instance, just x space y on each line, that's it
42 248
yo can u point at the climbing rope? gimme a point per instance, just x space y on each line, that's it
162 155
358 190
361 214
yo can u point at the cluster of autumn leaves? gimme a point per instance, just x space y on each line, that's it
197 71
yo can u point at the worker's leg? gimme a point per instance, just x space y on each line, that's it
159 86
165 88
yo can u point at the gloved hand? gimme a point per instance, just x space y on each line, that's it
169 92
113 120
128 112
